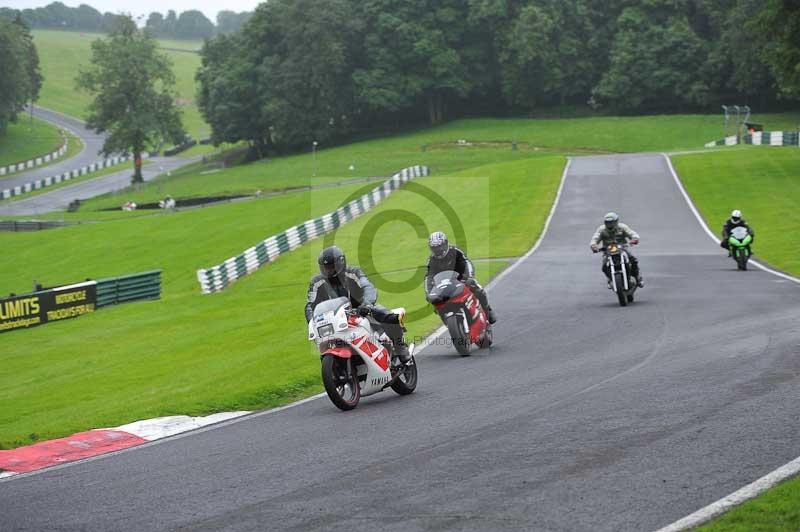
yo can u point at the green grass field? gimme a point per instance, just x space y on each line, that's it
25 140
763 182
776 510
62 53
490 141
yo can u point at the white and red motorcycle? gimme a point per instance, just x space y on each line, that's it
357 361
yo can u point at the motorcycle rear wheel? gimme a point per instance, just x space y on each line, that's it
407 382
460 337
621 296
343 392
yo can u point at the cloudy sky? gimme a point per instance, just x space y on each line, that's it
144 7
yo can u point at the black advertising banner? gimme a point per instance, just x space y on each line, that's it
55 304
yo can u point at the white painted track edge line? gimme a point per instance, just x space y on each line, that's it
769 480
736 498
708 231
426 343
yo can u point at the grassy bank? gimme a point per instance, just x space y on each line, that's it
489 140
777 510
762 182
63 52
26 140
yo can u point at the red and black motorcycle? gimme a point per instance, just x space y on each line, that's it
461 312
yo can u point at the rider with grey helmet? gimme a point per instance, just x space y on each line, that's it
731 223
445 257
613 230
336 279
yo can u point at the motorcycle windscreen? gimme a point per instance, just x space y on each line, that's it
739 233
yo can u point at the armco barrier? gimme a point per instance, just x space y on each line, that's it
66 176
27 225
135 287
218 277
37 161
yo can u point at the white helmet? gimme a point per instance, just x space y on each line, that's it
736 216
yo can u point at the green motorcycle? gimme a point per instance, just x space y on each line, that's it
739 245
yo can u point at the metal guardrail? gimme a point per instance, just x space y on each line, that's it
135 287
29 225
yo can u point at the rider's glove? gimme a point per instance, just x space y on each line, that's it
634 241
594 248
469 281
364 310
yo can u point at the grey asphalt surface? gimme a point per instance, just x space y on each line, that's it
584 416
92 144
60 198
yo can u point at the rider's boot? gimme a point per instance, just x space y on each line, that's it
402 352
639 281
491 315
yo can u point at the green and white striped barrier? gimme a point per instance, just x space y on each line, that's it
37 161
217 278
66 176
761 138
772 138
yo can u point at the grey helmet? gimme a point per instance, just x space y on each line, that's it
438 244
611 220
332 262
736 216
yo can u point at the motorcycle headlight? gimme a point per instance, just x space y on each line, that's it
325 330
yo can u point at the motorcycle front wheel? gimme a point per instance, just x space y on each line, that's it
488 338
343 391
621 296
455 325
406 383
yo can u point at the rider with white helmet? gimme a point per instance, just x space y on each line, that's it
734 221
613 230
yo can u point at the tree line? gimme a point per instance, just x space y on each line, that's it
191 24
305 70
19 62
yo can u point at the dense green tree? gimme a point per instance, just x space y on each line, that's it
228 94
780 19
155 24
414 53
193 24
230 21
19 63
655 61
304 68
134 98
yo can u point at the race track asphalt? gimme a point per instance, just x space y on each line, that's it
585 416
92 144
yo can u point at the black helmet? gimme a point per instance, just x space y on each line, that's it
611 220
438 244
332 262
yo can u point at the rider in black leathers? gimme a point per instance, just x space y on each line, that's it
337 280
445 257
731 223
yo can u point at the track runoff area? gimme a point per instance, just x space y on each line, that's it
583 416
